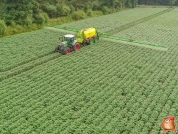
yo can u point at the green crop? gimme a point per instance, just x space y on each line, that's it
157 30
23 48
112 21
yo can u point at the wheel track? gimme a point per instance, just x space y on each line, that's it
25 62
131 24
28 66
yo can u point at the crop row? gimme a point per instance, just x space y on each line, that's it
109 22
159 30
27 66
103 88
23 48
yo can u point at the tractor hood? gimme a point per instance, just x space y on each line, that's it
63 44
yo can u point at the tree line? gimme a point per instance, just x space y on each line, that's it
38 11
29 12
159 2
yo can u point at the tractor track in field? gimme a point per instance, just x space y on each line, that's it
131 24
28 66
25 62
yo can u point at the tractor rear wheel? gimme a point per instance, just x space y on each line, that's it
76 46
66 50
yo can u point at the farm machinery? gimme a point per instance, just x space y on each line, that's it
72 42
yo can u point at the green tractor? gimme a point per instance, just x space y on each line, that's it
68 44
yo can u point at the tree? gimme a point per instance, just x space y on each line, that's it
2 27
172 2
22 12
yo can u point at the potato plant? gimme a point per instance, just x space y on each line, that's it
23 48
157 30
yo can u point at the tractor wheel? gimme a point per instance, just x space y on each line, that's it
56 49
76 46
66 50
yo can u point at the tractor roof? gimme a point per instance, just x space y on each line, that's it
69 35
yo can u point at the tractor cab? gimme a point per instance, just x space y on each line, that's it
69 38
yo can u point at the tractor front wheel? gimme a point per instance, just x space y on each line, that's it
66 50
76 46
57 48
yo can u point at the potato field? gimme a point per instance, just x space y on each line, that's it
110 87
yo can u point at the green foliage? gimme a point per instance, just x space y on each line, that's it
15 29
41 18
60 20
67 19
172 2
3 27
105 10
21 12
72 9
64 10
46 17
159 2
78 15
51 10
90 13
2 10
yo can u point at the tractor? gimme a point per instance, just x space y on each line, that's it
70 43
